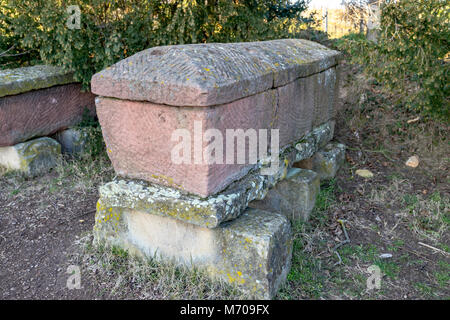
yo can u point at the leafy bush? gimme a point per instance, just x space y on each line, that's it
12 53
411 56
112 30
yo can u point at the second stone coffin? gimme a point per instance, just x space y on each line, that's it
38 101
288 85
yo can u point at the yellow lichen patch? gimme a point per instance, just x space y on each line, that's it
230 278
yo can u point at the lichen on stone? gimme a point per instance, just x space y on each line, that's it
20 80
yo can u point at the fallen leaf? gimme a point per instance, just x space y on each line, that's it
412 162
413 120
364 173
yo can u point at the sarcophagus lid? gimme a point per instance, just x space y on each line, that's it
211 74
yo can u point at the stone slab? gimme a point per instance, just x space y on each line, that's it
33 157
212 74
253 252
20 80
42 112
328 160
294 197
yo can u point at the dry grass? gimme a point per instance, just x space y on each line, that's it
119 275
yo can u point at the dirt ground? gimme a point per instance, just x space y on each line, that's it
46 222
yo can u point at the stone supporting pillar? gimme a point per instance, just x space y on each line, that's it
294 197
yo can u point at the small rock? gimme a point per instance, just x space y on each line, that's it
385 256
73 141
412 162
364 173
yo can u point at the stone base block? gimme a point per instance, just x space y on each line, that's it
327 161
293 197
253 251
33 157
73 141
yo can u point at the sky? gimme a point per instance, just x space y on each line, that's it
325 3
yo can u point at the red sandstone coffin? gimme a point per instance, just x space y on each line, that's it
290 85
38 101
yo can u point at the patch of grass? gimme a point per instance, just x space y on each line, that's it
306 276
442 276
430 217
325 199
121 274
87 172
396 245
424 289
369 254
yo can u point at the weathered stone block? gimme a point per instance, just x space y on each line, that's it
293 197
73 141
259 85
253 251
33 157
328 160
39 101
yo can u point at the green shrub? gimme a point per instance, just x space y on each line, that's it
112 30
12 53
411 56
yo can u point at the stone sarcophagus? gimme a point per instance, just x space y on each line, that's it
181 124
36 102
288 85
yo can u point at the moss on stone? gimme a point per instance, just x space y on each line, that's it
20 80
